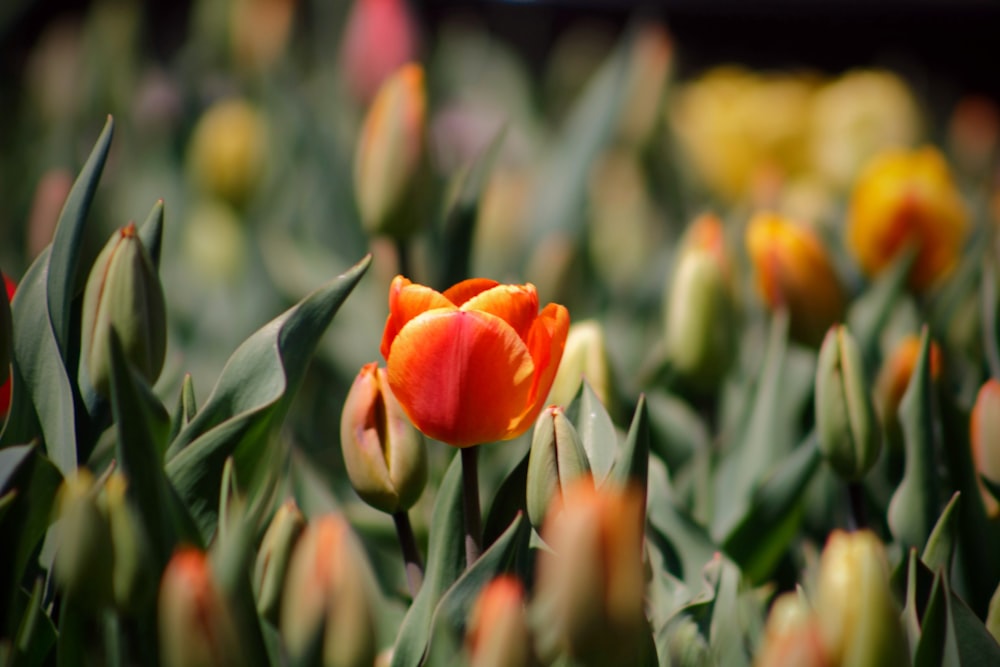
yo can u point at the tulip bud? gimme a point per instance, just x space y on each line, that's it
379 37
974 133
585 357
894 378
272 560
859 619
259 31
83 559
700 308
984 433
590 586
384 454
228 151
556 459
6 345
792 636
849 436
390 156
497 634
123 292
196 625
132 580
325 602
794 271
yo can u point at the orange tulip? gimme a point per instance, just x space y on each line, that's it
794 270
983 431
498 634
904 198
475 363
894 377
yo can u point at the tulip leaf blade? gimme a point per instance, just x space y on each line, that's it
913 507
151 233
596 430
941 543
870 312
252 394
445 564
632 466
990 321
508 501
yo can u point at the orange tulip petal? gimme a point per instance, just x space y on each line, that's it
461 376
546 341
406 301
517 305
460 293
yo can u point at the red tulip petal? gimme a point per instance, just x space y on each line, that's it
517 305
465 290
546 341
406 301
461 376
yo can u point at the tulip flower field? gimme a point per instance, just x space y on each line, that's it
331 340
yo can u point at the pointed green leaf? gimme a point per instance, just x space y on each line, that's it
596 431
151 233
250 398
35 635
990 321
508 502
931 649
941 544
445 564
185 409
632 466
870 312
913 509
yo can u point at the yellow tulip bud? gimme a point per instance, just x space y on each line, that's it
228 150
133 578
859 619
384 454
83 561
389 161
590 586
984 433
497 633
792 636
902 199
794 271
273 557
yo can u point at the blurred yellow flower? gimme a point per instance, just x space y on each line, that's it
902 198
794 270
228 150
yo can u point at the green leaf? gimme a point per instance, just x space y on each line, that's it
677 431
763 534
250 398
870 312
941 543
508 502
932 648
151 233
632 466
990 322
445 564
185 409
596 431
35 635
913 509
918 590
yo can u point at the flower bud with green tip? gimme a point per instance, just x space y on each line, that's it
859 619
792 636
700 309
132 579
272 560
848 429
326 608
556 458
123 292
83 562
585 357
384 454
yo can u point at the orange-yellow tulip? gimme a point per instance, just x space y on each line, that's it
794 270
894 377
903 198
475 363
498 634
983 432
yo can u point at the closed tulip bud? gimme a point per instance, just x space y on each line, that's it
985 436
6 344
590 586
849 435
792 636
794 271
123 292
133 579
196 624
859 619
259 31
585 357
700 308
384 454
228 151
389 162
273 557
894 378
380 36
556 459
325 605
903 199
84 556
498 634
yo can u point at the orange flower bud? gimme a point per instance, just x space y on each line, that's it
259 30
907 198
196 626
498 634
6 338
792 636
894 377
385 457
591 585
794 270
984 432
379 38
475 363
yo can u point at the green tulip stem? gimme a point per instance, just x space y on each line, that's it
858 518
411 555
470 497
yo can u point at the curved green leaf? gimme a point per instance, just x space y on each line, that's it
632 466
596 431
151 233
941 543
508 501
251 396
